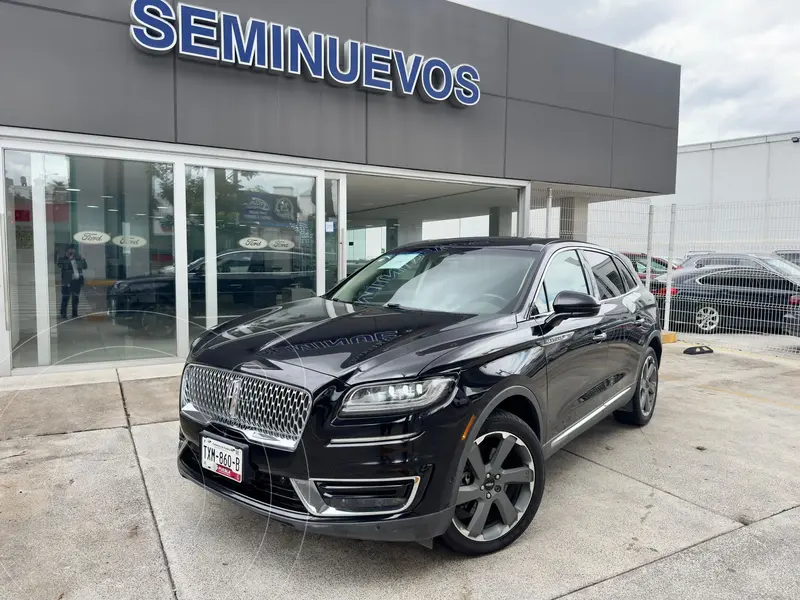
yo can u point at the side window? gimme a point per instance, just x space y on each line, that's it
630 281
565 273
540 304
238 262
609 281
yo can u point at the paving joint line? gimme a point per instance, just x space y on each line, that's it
655 487
164 557
671 554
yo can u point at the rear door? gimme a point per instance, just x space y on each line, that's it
618 313
575 349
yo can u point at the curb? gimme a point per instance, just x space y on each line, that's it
669 337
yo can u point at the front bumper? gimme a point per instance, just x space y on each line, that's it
390 529
425 451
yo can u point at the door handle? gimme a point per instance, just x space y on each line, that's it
600 336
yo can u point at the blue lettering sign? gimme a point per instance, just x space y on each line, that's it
349 73
198 32
246 48
153 30
406 72
202 33
377 68
437 80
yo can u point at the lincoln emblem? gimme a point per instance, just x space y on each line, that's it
232 396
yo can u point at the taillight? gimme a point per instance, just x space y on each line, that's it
663 291
794 300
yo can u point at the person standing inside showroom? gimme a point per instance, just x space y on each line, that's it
72 266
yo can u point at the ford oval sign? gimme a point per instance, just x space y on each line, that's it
93 238
281 245
129 241
253 243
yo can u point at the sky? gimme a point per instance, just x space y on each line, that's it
740 59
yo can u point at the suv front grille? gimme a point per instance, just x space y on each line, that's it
270 413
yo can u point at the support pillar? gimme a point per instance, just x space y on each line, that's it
392 229
500 222
573 219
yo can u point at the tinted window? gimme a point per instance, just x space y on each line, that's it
564 273
630 281
609 281
723 261
238 262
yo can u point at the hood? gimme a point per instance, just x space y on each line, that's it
353 343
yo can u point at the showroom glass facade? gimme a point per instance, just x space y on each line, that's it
106 252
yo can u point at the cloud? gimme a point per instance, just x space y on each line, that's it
740 58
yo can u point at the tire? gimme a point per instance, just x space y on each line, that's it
510 511
707 319
643 404
157 320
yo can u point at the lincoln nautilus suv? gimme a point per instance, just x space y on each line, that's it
420 397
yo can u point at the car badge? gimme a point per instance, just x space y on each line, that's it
232 395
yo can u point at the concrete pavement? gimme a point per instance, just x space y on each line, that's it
702 503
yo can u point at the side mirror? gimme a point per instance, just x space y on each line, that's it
575 304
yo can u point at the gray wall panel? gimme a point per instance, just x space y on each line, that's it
560 70
646 90
117 10
644 157
76 74
232 108
456 33
412 134
558 145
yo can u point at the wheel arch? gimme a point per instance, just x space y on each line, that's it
516 399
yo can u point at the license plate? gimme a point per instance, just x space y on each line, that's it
221 458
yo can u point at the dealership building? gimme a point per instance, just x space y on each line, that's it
205 161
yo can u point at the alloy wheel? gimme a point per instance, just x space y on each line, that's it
707 318
496 487
648 386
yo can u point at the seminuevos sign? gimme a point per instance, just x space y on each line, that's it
217 36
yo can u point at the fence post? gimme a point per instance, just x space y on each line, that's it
548 212
649 246
670 258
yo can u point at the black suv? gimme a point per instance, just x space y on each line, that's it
419 398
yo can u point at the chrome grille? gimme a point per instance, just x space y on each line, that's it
267 412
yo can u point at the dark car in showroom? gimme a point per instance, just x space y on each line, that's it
246 280
717 299
419 398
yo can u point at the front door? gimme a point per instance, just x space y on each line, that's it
575 347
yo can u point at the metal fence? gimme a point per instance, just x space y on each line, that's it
723 273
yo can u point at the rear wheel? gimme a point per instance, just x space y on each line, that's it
707 319
500 488
643 404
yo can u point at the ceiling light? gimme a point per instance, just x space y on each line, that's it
107 197
73 190
113 210
141 215
92 206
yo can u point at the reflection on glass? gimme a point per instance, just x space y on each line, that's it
265 228
107 226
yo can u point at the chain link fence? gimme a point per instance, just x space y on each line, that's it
724 275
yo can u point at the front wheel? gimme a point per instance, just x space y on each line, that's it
500 488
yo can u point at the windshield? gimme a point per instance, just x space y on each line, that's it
453 280
784 267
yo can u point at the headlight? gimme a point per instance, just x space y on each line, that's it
397 397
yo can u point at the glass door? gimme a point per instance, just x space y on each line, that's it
252 240
86 241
